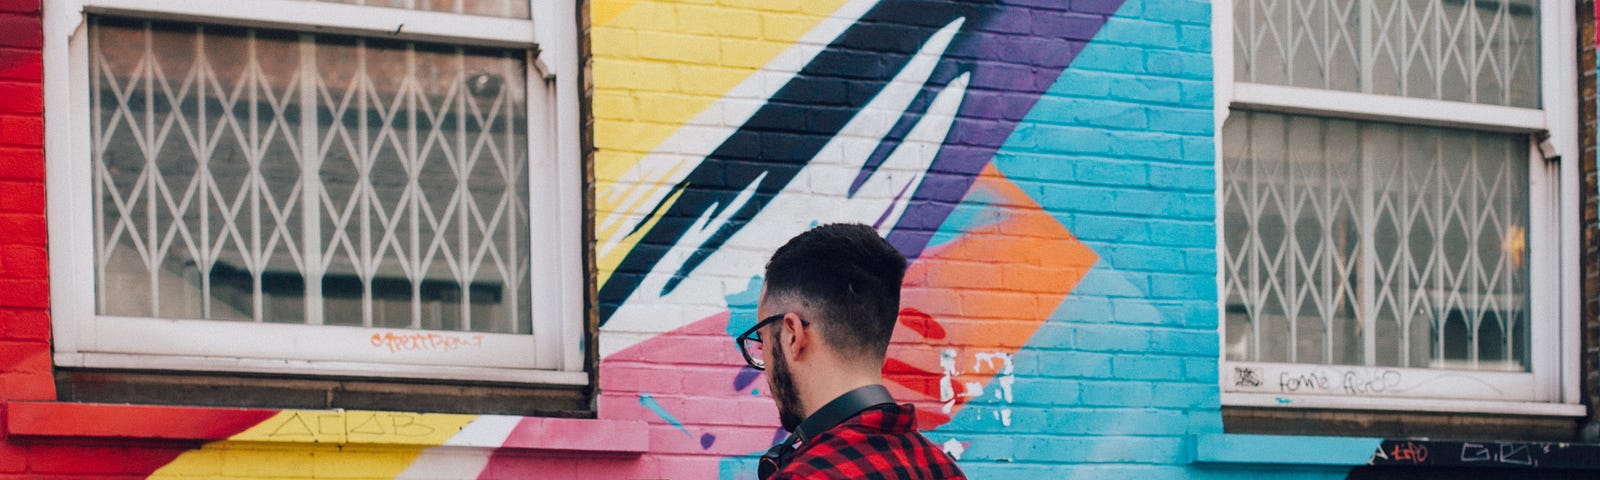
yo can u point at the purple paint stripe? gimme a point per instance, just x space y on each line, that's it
887 211
1009 73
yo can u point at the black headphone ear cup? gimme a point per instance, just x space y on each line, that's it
769 461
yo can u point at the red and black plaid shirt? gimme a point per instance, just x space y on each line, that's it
880 443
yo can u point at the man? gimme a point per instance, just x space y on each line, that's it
830 302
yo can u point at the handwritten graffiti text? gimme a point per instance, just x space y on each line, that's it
432 342
1312 381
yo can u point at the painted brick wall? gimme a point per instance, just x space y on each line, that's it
1047 166
24 323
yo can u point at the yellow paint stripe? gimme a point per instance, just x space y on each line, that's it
320 443
614 257
603 11
659 63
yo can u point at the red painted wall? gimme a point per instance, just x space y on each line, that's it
24 294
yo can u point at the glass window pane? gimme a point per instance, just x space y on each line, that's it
267 176
1481 51
1445 212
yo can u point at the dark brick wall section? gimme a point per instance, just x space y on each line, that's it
1590 201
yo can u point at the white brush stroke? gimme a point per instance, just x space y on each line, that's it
819 194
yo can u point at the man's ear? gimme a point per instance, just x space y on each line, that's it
797 339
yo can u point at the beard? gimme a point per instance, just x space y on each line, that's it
783 392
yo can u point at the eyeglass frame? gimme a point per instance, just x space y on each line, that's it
746 337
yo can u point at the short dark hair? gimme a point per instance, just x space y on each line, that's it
848 275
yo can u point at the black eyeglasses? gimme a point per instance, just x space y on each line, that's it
750 342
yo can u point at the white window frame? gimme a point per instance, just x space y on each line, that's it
552 355
1552 386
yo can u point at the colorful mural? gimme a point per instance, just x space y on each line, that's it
970 134
1046 166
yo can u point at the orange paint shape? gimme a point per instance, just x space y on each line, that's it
982 294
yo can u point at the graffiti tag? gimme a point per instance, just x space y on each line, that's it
1408 452
433 342
1368 382
1306 381
1246 377
1346 381
1502 453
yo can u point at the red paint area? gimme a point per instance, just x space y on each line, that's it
52 419
985 292
150 436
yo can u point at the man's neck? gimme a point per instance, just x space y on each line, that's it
841 409
825 389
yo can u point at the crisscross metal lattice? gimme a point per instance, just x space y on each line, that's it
1365 243
491 8
256 175
1477 51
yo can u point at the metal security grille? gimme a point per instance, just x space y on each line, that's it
1477 51
266 176
491 8
1365 243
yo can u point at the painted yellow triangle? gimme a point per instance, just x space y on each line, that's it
659 63
346 444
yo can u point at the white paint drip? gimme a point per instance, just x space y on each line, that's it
954 448
947 362
1004 379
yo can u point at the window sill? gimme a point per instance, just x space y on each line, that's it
1243 449
1403 404
43 420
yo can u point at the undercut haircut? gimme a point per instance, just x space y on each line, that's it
849 276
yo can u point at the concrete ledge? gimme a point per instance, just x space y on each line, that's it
42 420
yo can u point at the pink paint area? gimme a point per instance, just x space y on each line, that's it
695 375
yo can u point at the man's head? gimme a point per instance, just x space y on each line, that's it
840 284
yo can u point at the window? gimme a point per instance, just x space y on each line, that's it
1390 203
299 187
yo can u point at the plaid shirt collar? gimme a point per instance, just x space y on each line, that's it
840 409
879 442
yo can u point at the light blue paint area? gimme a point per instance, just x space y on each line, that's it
1236 448
742 308
755 392
1274 472
1070 407
977 210
649 402
742 467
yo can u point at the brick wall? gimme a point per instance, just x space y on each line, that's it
1589 194
24 323
1047 166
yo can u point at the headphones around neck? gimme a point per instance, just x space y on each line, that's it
835 412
